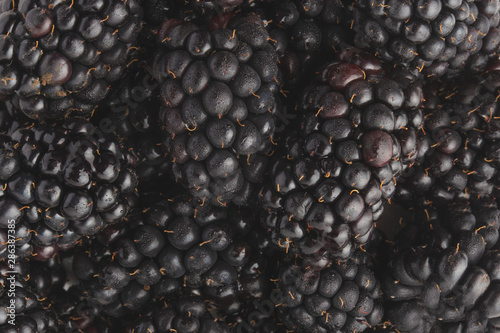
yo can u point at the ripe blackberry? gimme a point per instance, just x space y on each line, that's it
219 94
457 154
442 274
434 37
174 246
59 59
327 187
343 297
62 182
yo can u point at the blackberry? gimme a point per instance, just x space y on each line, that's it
130 112
433 37
307 32
174 246
156 11
62 182
259 316
327 187
72 308
442 273
60 59
219 95
344 296
457 155
218 6
24 302
382 328
187 313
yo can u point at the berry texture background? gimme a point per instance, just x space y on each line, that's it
249 166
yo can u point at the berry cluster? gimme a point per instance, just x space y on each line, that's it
249 166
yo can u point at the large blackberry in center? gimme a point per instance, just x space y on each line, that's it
356 137
219 94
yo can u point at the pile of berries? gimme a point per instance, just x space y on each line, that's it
248 166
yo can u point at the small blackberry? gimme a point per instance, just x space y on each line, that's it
219 94
187 313
59 58
343 297
442 274
434 37
259 316
307 32
130 112
327 187
175 245
62 182
457 145
72 309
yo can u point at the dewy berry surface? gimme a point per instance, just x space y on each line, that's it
230 166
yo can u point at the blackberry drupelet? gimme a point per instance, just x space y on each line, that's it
342 297
435 37
59 58
62 182
458 143
219 93
442 274
356 137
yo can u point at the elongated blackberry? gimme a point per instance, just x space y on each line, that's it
343 297
62 182
59 58
355 139
442 274
434 37
458 148
219 94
